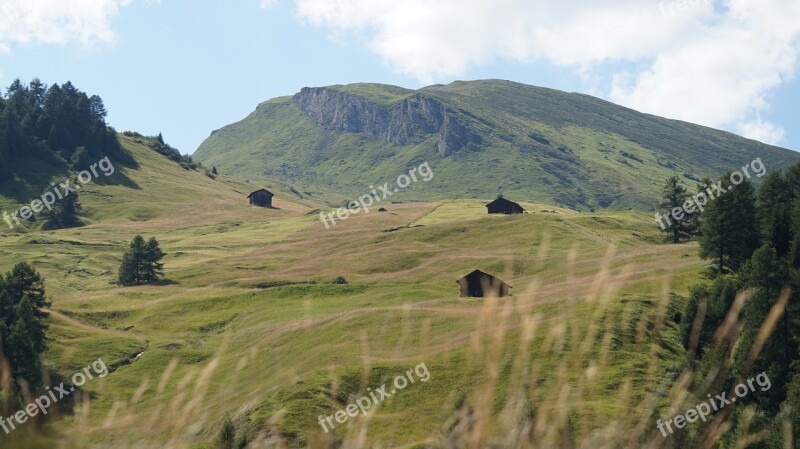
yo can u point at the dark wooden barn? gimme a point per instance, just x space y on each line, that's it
504 206
261 198
479 284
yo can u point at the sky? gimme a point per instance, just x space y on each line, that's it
185 68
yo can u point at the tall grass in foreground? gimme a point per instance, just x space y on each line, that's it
549 381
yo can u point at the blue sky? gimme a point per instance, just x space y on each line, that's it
187 68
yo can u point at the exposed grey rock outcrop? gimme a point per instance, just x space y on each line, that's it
408 122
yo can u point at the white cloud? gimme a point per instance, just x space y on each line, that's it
56 21
267 4
710 63
762 131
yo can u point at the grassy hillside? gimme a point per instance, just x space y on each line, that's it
251 326
528 143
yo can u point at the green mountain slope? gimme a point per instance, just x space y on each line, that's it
151 190
251 325
481 138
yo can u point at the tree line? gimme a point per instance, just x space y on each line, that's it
58 124
57 128
734 224
752 239
158 145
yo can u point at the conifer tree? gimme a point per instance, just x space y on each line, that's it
769 274
21 348
23 327
729 227
675 196
153 269
141 262
775 214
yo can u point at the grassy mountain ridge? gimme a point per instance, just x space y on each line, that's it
481 138
153 187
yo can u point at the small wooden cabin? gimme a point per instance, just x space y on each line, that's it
479 284
504 206
261 198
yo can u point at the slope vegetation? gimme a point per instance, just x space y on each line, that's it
251 325
482 138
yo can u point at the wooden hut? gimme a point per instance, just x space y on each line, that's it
504 206
261 198
479 284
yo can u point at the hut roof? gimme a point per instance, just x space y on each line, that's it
479 273
261 190
503 201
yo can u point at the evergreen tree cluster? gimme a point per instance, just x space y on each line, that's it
57 124
23 327
141 262
753 238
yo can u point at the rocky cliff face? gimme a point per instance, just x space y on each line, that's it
407 122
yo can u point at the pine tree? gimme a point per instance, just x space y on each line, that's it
130 271
140 263
14 88
23 330
792 410
794 250
793 184
98 109
774 217
730 231
153 269
64 213
769 275
718 298
127 270
675 195
24 282
68 216
21 349
746 233
792 176
38 90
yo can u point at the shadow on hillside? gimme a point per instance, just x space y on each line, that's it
34 177
117 178
163 282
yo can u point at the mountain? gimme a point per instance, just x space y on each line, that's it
268 320
481 138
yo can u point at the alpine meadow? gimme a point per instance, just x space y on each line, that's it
469 262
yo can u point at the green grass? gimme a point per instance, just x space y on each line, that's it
250 325
382 94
